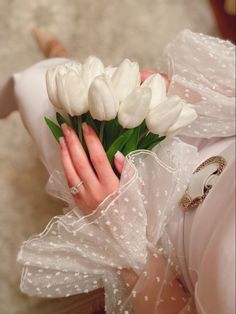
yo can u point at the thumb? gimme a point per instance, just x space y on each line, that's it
119 161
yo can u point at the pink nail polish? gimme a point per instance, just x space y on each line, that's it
65 129
62 142
119 157
85 127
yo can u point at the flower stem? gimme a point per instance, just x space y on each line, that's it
145 132
80 129
101 132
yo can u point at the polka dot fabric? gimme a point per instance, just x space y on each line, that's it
77 254
202 71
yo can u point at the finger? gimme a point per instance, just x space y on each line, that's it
79 159
82 205
71 174
145 74
98 157
119 161
73 178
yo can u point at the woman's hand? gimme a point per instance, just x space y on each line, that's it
98 177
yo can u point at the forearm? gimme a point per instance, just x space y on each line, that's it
158 293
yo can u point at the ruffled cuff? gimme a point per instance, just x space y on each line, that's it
77 254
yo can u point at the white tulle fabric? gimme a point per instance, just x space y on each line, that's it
202 71
77 254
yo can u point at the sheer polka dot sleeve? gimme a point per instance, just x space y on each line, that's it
77 254
202 71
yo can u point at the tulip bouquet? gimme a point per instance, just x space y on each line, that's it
125 114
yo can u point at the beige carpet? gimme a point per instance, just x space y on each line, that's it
112 30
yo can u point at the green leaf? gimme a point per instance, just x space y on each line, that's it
132 143
91 122
118 144
143 131
60 119
146 139
101 132
55 129
112 131
74 123
152 143
143 128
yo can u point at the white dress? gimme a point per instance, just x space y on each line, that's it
78 254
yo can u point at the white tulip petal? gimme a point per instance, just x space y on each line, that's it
133 110
77 95
126 78
103 103
70 66
91 68
75 66
158 86
109 71
51 87
71 89
186 117
160 119
62 93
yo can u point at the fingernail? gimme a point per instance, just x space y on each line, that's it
85 127
119 156
65 129
62 142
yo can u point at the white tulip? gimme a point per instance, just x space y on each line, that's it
91 68
51 84
109 71
158 86
126 78
170 116
186 117
52 87
71 90
135 107
103 103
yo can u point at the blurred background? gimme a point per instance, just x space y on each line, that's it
109 29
